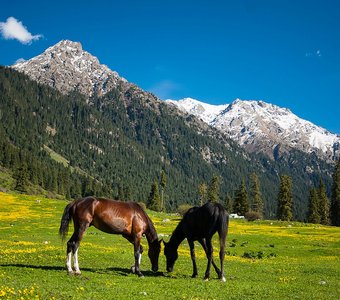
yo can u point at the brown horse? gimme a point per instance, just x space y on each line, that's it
115 217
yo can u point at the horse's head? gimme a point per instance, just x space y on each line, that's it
171 255
153 253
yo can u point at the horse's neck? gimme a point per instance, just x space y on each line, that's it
177 236
151 234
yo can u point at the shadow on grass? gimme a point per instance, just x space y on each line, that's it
117 270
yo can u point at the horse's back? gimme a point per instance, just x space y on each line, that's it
203 221
110 216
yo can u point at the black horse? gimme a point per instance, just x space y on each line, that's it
200 224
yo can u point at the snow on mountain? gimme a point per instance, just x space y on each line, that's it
262 127
66 67
206 112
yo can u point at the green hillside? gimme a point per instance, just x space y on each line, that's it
117 145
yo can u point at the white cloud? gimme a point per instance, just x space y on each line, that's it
164 89
316 53
13 29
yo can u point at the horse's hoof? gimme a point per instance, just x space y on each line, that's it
77 273
223 279
70 273
206 279
133 269
194 276
140 274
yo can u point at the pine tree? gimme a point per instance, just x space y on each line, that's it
323 204
257 202
21 179
313 209
228 204
241 206
202 192
127 193
163 186
87 187
214 189
120 196
285 199
335 200
154 200
75 190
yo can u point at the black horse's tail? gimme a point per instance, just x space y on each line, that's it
65 220
223 224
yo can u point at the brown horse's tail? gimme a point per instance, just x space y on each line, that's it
65 220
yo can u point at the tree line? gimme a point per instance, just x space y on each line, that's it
321 210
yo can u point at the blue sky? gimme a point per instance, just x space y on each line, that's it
284 52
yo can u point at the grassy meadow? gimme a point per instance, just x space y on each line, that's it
265 260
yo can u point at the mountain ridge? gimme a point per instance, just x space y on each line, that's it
259 126
256 126
67 67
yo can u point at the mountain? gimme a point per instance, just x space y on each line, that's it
121 141
266 128
67 67
255 125
118 138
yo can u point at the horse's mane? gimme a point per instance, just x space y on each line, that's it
152 231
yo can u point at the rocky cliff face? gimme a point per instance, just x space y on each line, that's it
67 67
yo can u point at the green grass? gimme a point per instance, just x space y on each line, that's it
57 157
266 260
60 159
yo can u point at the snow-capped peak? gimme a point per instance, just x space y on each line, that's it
264 127
207 112
67 67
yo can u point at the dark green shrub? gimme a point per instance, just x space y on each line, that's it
182 209
253 216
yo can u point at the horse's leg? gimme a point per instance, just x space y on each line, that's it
207 246
222 238
141 249
133 268
210 258
132 241
73 246
193 258
138 249
204 245
68 256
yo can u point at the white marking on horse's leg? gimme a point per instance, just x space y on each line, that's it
223 279
68 263
76 264
139 258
